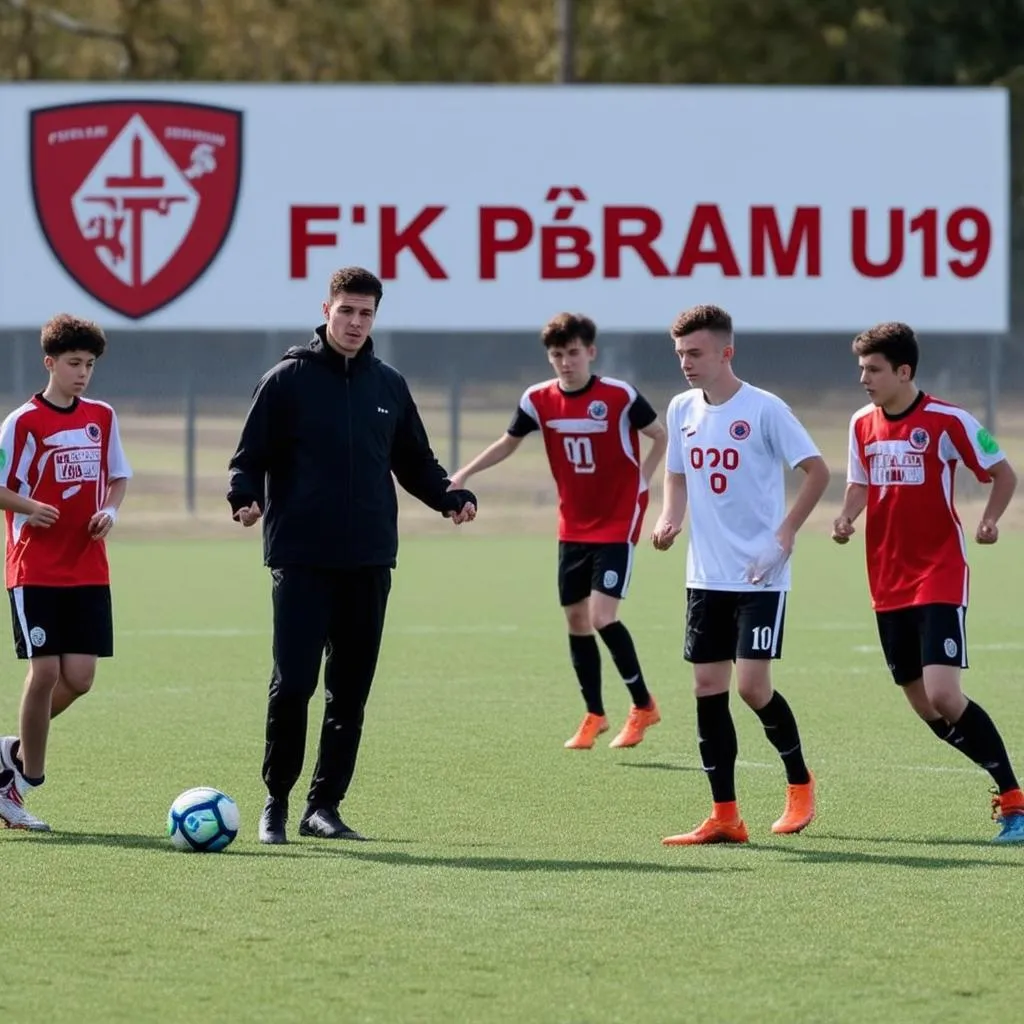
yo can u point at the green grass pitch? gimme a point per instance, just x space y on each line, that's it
511 880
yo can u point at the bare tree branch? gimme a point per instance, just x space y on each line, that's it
58 19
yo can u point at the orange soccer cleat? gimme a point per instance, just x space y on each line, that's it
590 728
799 812
724 826
637 723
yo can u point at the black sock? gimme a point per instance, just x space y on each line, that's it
984 746
619 641
34 782
716 738
780 728
586 659
947 733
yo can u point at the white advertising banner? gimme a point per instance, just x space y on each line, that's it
492 208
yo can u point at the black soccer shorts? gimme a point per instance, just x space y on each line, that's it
924 634
51 621
723 625
583 568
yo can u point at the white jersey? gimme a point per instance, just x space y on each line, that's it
734 457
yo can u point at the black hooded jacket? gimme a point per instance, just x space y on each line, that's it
321 439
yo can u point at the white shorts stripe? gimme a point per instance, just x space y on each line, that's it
779 612
19 611
629 571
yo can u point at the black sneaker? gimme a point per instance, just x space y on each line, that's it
272 821
324 823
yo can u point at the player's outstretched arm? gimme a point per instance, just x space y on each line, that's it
490 456
673 509
854 502
659 442
1004 483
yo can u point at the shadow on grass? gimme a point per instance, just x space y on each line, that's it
529 864
974 844
157 844
813 855
661 766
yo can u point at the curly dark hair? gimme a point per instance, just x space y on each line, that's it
67 333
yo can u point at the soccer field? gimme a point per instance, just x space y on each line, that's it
511 880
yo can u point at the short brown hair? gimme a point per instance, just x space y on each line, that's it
895 342
355 281
67 333
560 330
701 318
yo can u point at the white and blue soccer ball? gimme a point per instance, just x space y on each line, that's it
202 820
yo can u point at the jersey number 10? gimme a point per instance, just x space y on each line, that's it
580 453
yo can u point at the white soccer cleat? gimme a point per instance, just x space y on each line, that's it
13 813
8 764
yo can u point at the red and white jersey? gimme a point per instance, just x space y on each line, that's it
593 447
65 457
734 458
916 551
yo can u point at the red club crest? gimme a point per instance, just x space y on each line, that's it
136 197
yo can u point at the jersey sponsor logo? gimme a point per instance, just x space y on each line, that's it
577 425
3 458
597 409
739 430
919 439
76 464
986 442
93 432
894 464
135 197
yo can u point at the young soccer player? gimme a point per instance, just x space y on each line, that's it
590 426
63 476
904 450
728 444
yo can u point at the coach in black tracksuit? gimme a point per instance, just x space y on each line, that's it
327 427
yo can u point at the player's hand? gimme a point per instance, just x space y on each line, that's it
249 516
765 567
786 536
101 524
843 529
664 534
466 514
458 482
988 532
43 515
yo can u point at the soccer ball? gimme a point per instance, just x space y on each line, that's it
202 820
